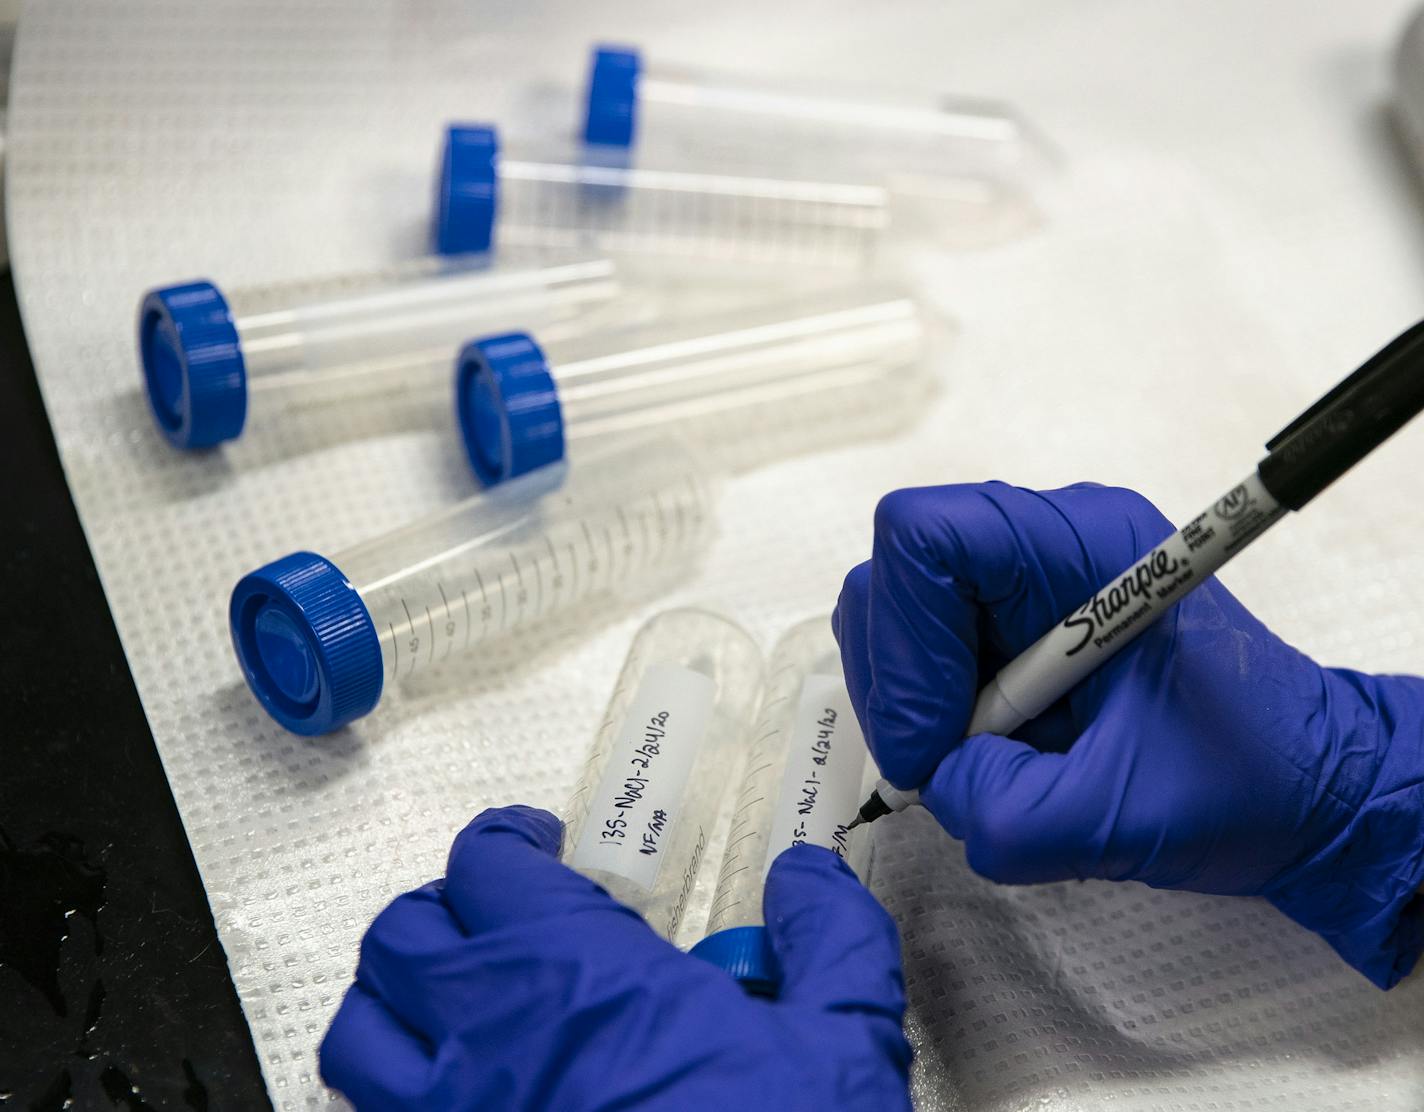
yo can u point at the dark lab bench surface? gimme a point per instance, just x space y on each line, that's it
114 989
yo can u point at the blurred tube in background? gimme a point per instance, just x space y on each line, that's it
636 101
572 195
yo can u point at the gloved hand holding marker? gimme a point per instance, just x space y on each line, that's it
1212 757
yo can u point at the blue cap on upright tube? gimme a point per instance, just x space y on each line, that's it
192 364
306 643
469 190
745 953
509 409
611 112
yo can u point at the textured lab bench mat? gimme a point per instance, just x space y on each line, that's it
1172 305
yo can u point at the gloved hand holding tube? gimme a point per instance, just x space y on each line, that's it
1206 755
516 982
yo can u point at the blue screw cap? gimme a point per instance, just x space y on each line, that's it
306 643
192 364
469 190
611 110
745 953
509 409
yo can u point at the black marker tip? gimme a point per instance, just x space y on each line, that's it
873 808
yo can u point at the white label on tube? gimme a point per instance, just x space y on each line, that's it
632 818
820 789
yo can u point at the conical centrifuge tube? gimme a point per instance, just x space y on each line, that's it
563 195
806 772
640 819
521 401
632 100
214 362
318 639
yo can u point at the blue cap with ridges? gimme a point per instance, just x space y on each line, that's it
611 111
469 189
192 364
509 409
745 953
306 643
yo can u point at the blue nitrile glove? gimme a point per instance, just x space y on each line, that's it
1207 755
517 983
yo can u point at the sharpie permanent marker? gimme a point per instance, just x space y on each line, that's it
1309 454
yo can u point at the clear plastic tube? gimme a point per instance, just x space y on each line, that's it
639 821
633 100
214 362
318 638
569 195
553 197
807 771
519 399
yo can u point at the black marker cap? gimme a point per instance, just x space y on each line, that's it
1347 424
